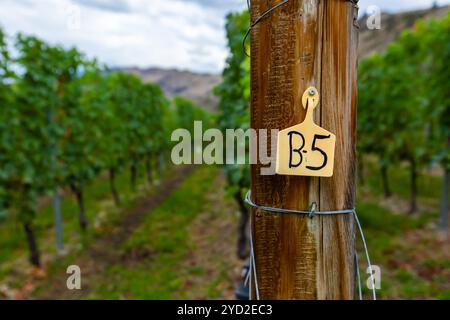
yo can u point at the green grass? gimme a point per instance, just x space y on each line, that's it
97 199
382 230
164 234
379 222
429 186
385 230
163 239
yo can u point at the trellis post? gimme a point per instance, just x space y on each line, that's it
300 43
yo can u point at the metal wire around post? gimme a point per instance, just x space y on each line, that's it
258 20
312 212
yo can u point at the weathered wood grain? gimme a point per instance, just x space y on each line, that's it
304 42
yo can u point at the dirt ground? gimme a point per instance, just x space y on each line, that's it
211 236
209 247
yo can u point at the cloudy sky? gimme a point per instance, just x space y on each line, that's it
183 34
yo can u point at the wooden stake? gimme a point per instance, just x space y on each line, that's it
303 43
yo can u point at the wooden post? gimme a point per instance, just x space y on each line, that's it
299 43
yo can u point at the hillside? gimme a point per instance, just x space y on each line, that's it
198 87
392 25
194 86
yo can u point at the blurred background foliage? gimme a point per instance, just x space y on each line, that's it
101 139
65 119
403 140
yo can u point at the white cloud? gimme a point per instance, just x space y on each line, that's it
117 5
184 34
170 34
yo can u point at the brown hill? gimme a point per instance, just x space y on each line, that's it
194 86
198 87
392 25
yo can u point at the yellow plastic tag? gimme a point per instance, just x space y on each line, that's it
306 149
